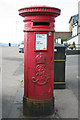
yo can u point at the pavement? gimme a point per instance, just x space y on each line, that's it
11 74
66 100
66 105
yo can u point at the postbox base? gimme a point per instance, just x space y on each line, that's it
33 107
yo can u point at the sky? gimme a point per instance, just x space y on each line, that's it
11 24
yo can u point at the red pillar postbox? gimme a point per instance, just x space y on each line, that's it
38 59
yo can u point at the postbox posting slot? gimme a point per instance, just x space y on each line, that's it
41 23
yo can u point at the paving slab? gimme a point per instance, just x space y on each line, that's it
66 103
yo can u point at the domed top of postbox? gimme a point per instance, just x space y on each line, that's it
39 10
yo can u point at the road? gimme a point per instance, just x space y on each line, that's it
12 72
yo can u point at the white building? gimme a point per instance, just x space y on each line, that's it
79 25
73 24
74 27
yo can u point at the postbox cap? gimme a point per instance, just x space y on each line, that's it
39 10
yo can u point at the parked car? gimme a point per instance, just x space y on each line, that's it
21 47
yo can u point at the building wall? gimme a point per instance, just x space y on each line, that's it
74 31
73 25
76 39
62 34
79 24
70 25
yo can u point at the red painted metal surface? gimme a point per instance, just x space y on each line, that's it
38 64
